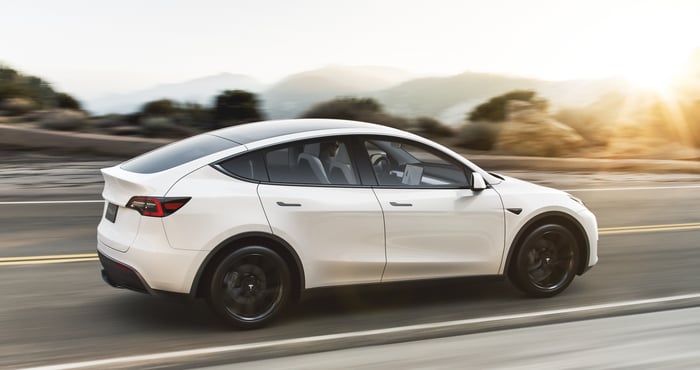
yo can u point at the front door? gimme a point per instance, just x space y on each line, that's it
441 232
436 226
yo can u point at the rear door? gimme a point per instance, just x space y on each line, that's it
314 201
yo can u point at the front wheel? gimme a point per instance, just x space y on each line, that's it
545 263
250 287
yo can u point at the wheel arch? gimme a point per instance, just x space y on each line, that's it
278 245
556 217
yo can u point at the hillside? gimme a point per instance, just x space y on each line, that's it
450 98
200 90
295 93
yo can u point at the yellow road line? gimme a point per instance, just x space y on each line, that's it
86 257
44 262
648 228
56 256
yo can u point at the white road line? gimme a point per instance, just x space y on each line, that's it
637 188
53 202
329 337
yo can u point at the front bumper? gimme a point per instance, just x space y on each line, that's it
590 225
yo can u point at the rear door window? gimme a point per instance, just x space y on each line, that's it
320 162
249 166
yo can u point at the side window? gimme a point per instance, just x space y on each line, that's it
248 166
404 164
322 162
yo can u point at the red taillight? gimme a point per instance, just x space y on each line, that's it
155 206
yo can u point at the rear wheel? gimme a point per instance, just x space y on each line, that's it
545 263
250 287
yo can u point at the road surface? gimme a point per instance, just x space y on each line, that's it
56 309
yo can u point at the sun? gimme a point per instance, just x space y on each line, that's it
651 73
649 79
653 65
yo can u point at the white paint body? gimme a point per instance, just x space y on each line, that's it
342 235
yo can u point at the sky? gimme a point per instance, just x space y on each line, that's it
93 47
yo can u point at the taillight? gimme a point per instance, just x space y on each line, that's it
156 206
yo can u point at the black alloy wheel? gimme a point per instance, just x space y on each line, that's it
545 264
250 287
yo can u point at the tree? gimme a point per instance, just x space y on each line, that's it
433 127
16 85
65 101
495 110
161 107
356 109
10 90
233 107
359 109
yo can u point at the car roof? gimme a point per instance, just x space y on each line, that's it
251 132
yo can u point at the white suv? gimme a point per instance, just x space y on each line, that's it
252 215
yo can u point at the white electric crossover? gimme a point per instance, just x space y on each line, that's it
252 215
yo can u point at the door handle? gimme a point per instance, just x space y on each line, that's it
397 204
283 204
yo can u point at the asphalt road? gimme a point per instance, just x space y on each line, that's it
54 313
614 342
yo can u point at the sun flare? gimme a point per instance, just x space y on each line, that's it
659 80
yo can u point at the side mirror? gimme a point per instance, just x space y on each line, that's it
478 182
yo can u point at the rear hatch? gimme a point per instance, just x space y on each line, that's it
152 175
120 225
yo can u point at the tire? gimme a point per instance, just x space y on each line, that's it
545 264
250 287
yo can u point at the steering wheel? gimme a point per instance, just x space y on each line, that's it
380 163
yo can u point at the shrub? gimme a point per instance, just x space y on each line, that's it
479 135
63 119
161 107
432 127
164 127
496 109
195 116
356 109
17 106
344 108
591 127
65 101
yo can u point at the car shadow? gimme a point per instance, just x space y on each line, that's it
403 295
171 314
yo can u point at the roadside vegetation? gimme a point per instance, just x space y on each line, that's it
518 122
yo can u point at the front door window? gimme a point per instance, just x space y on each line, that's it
402 164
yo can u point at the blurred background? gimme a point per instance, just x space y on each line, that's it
540 78
599 98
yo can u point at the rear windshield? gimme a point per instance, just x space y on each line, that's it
177 153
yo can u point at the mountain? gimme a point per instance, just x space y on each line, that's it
294 94
200 90
445 98
450 98
431 96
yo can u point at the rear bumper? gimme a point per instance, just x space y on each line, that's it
150 265
120 275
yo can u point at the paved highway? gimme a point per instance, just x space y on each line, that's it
615 342
56 310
